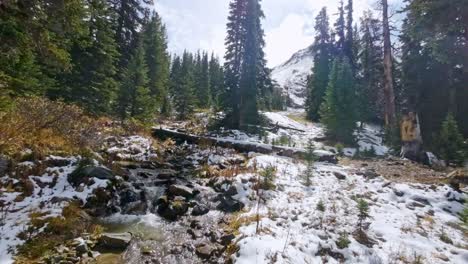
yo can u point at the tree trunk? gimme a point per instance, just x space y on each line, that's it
389 93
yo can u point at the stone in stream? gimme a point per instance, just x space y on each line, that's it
172 210
117 241
180 190
200 209
128 196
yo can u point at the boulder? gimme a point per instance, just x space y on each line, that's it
172 210
229 205
205 251
180 190
339 175
370 174
200 209
86 173
226 239
166 174
128 196
115 241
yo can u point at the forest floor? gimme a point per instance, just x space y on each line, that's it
413 214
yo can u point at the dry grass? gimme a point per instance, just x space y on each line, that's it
46 127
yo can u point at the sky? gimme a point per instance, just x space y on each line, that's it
288 24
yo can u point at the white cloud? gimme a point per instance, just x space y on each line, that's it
201 24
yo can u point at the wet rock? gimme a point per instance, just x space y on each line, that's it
180 190
200 209
205 251
81 249
339 175
229 205
128 196
195 224
172 210
117 241
135 208
85 174
166 174
98 203
194 233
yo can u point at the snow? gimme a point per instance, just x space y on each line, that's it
17 218
135 148
292 75
292 230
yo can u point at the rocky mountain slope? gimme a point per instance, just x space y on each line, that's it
292 75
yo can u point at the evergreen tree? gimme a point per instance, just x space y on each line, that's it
157 59
449 143
135 96
203 81
340 31
317 83
349 41
370 58
338 112
246 75
184 86
216 78
91 83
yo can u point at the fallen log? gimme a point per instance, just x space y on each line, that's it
242 146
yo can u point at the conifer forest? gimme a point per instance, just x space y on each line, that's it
233 131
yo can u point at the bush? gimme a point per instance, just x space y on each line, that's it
268 178
343 241
46 127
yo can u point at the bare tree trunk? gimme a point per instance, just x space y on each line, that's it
389 93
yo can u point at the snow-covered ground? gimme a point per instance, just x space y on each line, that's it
51 193
407 221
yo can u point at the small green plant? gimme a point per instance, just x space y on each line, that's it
284 140
464 216
449 143
363 212
444 237
268 175
320 206
343 241
339 148
310 161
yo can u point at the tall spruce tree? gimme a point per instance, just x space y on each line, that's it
158 61
91 82
340 31
184 85
246 74
338 112
370 57
216 82
349 41
317 83
135 96
203 81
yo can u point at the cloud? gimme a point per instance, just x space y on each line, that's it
288 25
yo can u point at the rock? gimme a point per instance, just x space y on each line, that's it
231 191
135 208
339 175
432 161
194 233
205 250
81 249
180 190
84 174
229 205
4 165
398 192
173 209
117 241
370 174
324 251
166 174
226 239
200 209
421 200
326 156
128 196
57 162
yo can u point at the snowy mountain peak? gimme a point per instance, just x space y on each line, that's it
292 75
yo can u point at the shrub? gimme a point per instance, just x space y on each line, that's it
320 206
310 161
268 178
46 127
464 216
363 212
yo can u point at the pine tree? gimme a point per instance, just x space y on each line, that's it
449 143
203 81
135 97
92 81
184 86
340 31
370 58
246 75
338 112
216 82
317 83
349 41
157 59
